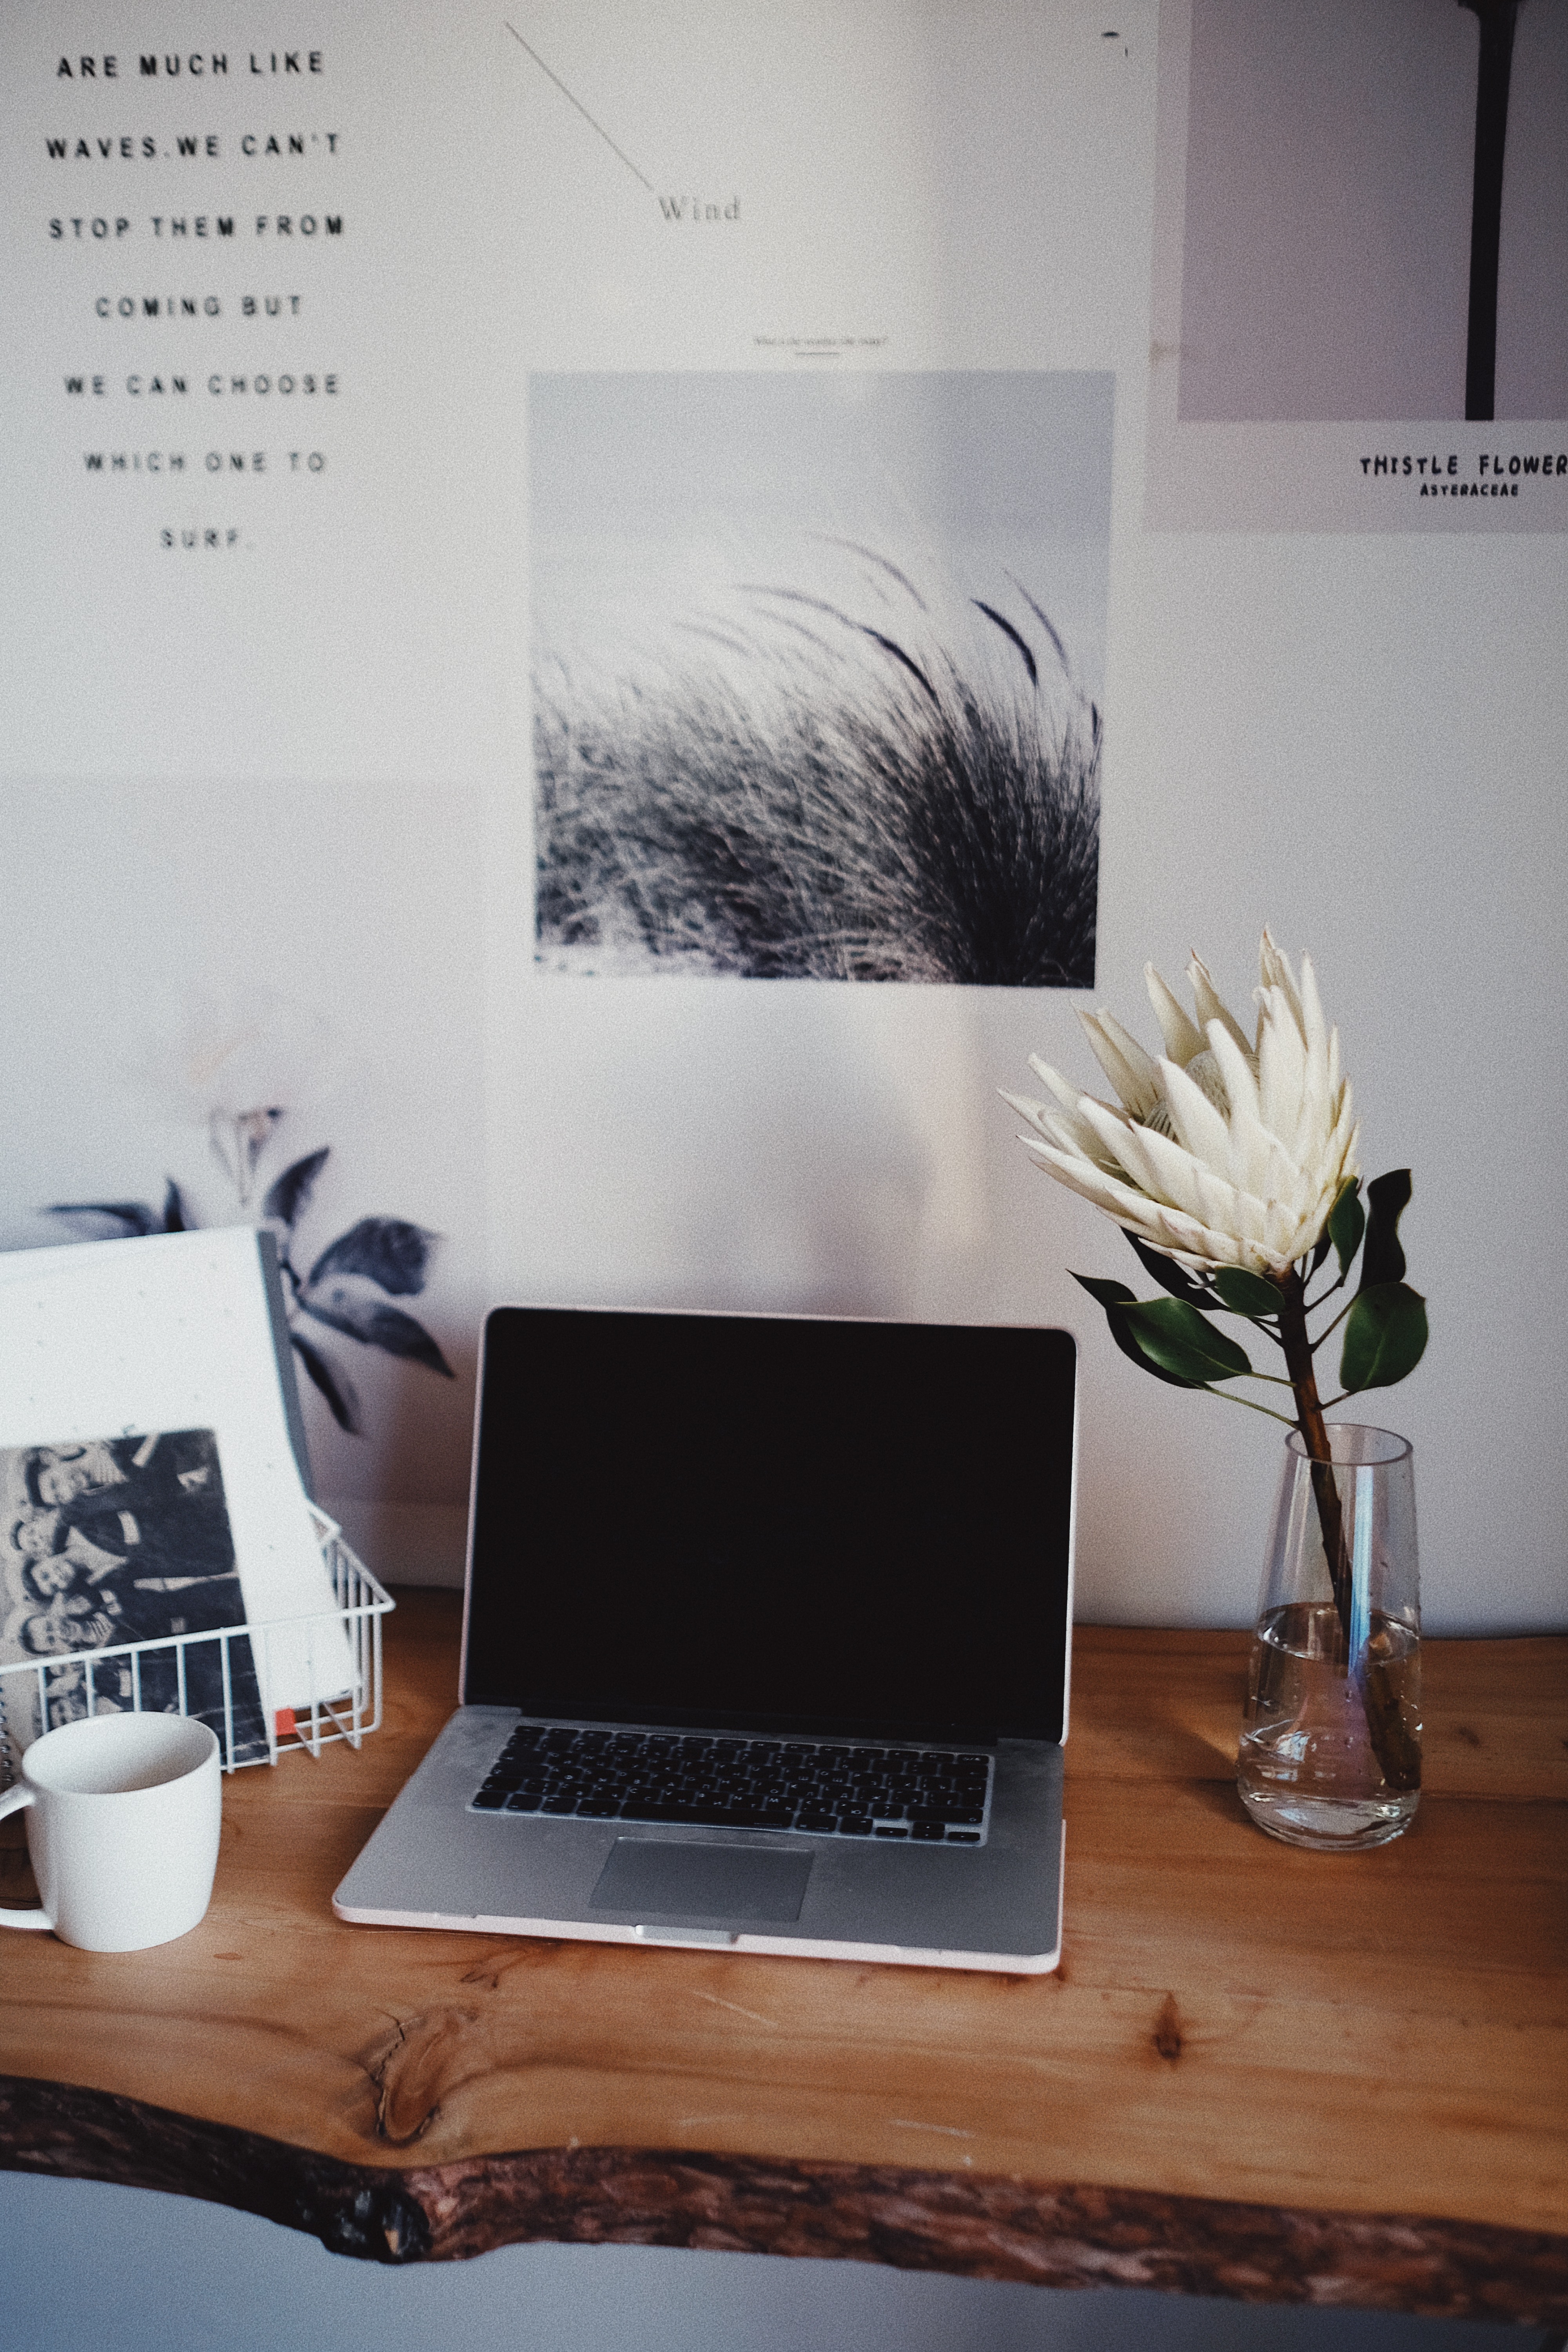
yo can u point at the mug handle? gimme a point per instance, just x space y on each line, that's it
12 1802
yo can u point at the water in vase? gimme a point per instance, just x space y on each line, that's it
1307 1767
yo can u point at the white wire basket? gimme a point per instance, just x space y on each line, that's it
222 1676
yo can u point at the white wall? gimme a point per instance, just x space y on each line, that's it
309 774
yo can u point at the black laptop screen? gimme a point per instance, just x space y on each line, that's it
776 1523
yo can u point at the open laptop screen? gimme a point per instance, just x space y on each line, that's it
772 1523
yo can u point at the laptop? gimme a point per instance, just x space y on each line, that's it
765 1644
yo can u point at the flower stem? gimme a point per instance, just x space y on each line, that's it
1226 1397
1398 1758
1332 1327
1315 1437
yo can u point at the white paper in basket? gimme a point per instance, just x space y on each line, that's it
174 1332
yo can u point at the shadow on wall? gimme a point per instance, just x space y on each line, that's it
804 1150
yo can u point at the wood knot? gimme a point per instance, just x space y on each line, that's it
1471 1739
1168 2030
422 2060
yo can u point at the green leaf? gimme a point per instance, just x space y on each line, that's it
1109 1294
1182 1343
1116 1298
1347 1224
1246 1294
1385 1260
1117 1318
1385 1334
1168 1274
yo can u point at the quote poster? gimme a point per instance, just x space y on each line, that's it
247 480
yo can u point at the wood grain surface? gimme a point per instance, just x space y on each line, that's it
1339 2078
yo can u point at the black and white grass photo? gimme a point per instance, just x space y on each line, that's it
112 1542
816 675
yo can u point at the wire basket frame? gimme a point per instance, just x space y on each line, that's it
346 1711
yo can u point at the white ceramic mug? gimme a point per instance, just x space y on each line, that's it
122 1829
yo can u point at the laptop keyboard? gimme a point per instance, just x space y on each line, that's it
930 1796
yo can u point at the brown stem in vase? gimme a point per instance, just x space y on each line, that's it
1315 1437
1397 1751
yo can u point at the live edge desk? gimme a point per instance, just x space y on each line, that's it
1258 2073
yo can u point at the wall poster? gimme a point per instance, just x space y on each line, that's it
821 412
817 668
239 461
1361 247
502 500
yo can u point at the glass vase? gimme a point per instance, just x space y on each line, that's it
1331 1743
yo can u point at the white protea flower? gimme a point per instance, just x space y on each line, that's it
1219 1152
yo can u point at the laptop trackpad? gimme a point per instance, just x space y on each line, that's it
656 1878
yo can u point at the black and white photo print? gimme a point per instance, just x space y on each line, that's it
109 1544
817 670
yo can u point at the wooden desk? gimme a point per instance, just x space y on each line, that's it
1259 2072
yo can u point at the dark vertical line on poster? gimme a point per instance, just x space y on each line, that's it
1496 18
